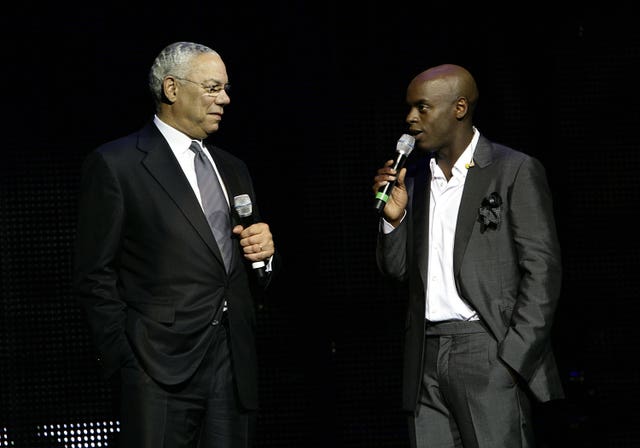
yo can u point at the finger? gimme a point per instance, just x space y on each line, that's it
401 176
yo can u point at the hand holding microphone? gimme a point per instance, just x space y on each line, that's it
244 208
403 149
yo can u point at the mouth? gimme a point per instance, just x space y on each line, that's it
414 132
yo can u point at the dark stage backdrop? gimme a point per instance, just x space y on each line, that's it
318 105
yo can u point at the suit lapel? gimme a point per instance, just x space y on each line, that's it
163 166
475 188
230 179
233 185
421 215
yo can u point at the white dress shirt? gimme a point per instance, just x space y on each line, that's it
442 299
179 144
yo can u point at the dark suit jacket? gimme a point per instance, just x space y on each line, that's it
510 275
147 267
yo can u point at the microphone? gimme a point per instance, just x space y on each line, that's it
403 149
242 204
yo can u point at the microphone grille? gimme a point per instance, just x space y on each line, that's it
242 204
405 144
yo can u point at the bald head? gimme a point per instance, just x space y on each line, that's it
451 80
441 102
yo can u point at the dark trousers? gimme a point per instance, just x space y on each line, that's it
469 398
201 413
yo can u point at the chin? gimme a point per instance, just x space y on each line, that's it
213 128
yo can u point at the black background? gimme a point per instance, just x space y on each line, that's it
317 106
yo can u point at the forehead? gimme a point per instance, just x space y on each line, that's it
429 90
209 66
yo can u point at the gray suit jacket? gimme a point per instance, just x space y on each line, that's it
510 273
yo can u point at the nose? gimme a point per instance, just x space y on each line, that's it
222 98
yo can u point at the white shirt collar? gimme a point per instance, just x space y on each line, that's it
178 141
464 162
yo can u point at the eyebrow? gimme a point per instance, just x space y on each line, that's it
215 81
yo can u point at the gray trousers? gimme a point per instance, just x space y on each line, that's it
469 398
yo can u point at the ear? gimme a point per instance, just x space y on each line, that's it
170 88
461 107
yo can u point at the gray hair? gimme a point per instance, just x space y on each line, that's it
175 60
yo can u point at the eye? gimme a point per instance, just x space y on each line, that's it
213 89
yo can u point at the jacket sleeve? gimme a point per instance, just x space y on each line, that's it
534 232
100 216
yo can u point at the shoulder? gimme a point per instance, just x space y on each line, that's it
131 146
225 157
118 146
499 150
120 154
490 152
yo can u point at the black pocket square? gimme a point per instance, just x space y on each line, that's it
489 212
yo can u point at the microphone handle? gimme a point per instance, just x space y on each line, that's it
382 196
258 266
